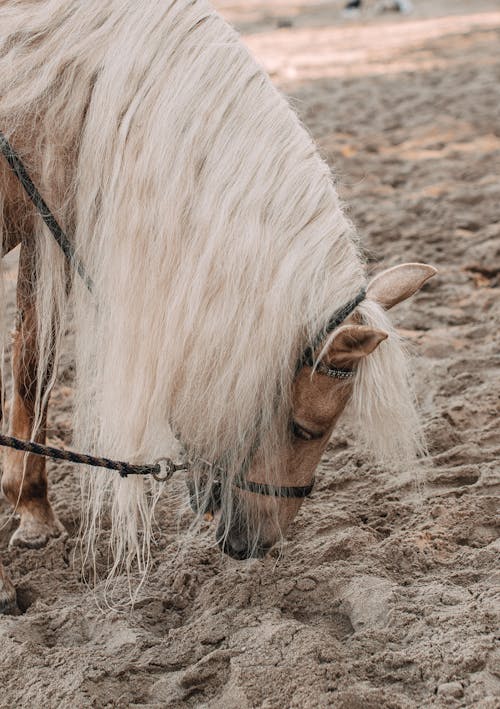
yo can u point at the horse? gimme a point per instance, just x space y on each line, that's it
218 251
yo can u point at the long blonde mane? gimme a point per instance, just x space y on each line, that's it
201 209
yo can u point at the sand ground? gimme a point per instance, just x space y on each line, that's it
381 597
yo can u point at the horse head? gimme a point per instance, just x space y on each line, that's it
256 519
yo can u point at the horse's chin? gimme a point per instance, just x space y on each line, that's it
235 540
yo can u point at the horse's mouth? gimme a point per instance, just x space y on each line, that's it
239 541
234 541
239 548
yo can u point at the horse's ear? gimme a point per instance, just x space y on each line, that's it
353 342
398 283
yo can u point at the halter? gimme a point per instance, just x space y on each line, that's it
307 360
163 469
289 492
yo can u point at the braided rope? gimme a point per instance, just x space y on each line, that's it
161 470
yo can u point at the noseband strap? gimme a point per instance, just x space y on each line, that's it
291 492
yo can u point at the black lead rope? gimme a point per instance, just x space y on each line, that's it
164 468
48 217
161 470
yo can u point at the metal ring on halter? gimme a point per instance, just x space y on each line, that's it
166 469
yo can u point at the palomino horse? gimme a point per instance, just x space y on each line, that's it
218 251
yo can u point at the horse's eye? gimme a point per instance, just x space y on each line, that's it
302 433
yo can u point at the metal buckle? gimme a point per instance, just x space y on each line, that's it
167 469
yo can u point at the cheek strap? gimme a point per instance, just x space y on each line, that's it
337 319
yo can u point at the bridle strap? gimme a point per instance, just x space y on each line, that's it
337 319
290 492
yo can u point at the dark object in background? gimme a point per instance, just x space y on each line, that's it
403 6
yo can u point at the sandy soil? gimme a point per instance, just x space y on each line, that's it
381 598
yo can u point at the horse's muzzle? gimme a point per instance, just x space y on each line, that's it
235 543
